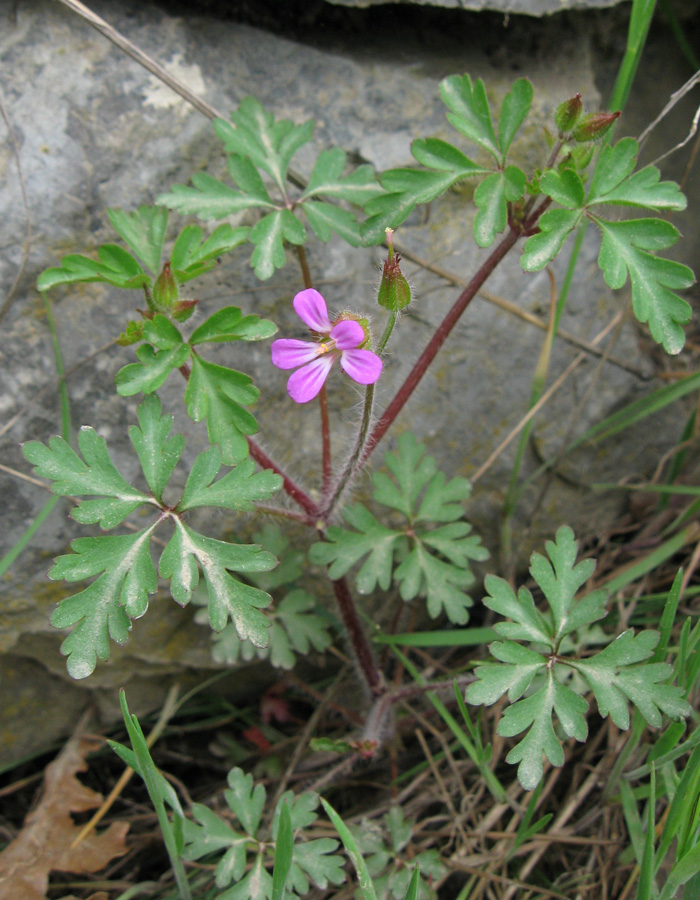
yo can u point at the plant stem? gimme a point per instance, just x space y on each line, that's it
290 487
326 466
328 507
434 345
304 266
358 638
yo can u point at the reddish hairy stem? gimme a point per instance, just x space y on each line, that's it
435 343
290 488
358 638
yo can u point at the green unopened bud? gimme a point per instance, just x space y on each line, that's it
394 291
594 126
165 291
567 114
183 309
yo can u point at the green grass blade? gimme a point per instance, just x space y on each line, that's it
149 773
646 868
632 820
493 784
284 848
459 637
658 556
639 410
640 20
412 890
353 851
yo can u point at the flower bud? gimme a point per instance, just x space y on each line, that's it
394 291
567 114
594 126
165 290
183 309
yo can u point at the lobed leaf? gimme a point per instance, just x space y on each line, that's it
115 267
615 676
218 395
534 713
209 198
469 111
157 452
152 369
555 226
343 548
104 609
324 218
269 235
191 256
144 231
492 198
327 180
269 143
229 324
627 249
239 489
614 181
514 110
228 597
96 475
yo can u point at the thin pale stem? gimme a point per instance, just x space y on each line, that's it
332 501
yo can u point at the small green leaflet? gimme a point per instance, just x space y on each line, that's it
327 179
269 235
114 266
430 561
219 396
192 255
492 198
260 151
629 247
214 393
534 676
269 143
144 232
295 629
122 565
94 474
312 862
296 625
445 165
105 608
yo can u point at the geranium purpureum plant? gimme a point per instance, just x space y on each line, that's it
411 542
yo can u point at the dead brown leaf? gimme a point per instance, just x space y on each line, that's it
44 843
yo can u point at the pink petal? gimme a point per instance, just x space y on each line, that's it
347 334
288 353
362 366
305 383
312 310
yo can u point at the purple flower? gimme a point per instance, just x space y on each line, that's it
340 340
